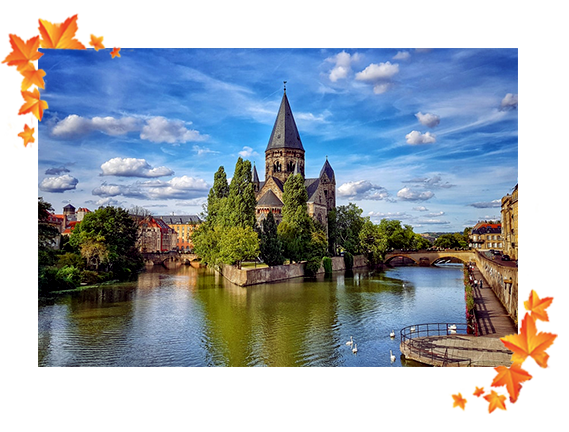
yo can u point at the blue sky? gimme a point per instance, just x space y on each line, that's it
429 137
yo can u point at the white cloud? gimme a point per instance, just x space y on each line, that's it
420 208
154 129
492 204
343 65
248 152
180 188
402 55
131 167
429 120
409 195
160 129
375 72
431 182
203 150
510 101
416 137
362 189
58 184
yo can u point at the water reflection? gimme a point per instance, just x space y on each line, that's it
195 317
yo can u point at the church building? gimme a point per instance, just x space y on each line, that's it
285 156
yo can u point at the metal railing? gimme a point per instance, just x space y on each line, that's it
428 351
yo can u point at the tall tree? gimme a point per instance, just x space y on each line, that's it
271 248
217 195
239 209
349 223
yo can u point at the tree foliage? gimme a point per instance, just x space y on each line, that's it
346 228
271 247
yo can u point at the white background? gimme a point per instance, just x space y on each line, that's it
292 399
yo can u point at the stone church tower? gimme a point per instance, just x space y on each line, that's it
284 156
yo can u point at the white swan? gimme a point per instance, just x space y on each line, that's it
350 342
392 334
392 356
413 329
355 348
452 327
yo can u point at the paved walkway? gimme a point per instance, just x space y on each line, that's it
468 350
493 320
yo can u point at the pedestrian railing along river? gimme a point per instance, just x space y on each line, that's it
419 339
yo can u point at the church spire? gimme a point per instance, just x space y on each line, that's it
285 133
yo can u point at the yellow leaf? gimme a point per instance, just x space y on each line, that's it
512 378
27 135
23 52
495 401
458 401
537 306
529 343
60 36
32 77
33 104
96 42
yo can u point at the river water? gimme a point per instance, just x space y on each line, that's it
194 317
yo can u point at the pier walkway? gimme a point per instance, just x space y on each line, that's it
436 345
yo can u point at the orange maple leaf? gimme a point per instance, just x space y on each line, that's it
496 401
96 42
61 36
479 391
458 401
537 306
27 135
529 343
512 378
115 52
33 104
23 52
32 77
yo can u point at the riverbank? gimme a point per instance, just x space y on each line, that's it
254 276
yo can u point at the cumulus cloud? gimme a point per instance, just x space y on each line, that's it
56 171
429 120
58 184
154 129
131 167
248 152
160 129
342 65
420 208
410 195
180 188
509 102
379 75
416 137
402 55
363 190
491 204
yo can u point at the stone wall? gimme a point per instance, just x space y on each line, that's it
499 278
256 276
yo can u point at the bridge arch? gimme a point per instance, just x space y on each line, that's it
428 258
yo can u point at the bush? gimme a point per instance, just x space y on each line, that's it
89 277
327 263
313 265
70 274
348 260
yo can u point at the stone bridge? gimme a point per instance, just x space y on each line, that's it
168 259
427 258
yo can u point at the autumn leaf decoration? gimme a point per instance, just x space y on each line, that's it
60 36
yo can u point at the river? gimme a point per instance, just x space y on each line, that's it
194 317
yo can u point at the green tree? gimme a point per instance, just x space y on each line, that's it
296 227
239 209
451 240
373 242
217 195
271 248
237 244
349 223
47 233
108 236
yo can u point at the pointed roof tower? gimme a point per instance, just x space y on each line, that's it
327 169
255 175
285 134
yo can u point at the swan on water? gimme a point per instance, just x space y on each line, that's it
350 342
392 334
412 329
392 356
452 327
355 348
